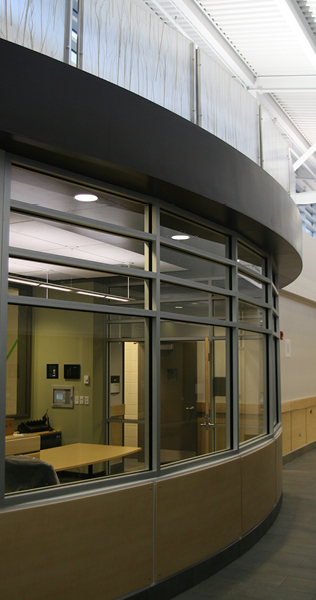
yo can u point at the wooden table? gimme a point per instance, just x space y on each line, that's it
81 455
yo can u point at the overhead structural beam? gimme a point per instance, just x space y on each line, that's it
271 84
304 157
205 29
304 198
299 26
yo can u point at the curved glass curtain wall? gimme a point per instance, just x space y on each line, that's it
93 275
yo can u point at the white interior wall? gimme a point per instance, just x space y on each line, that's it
298 323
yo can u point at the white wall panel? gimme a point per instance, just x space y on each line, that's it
35 24
275 152
228 111
130 47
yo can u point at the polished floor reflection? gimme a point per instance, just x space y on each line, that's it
281 566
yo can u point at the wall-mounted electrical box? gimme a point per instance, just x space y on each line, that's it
71 371
62 396
115 386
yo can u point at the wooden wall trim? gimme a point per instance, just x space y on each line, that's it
291 405
99 546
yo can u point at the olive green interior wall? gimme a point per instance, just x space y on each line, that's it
66 337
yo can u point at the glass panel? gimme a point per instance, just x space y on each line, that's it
134 49
275 301
47 280
77 380
193 235
251 287
187 266
252 260
52 237
182 300
193 390
127 399
251 315
38 26
233 120
252 385
58 194
275 377
18 383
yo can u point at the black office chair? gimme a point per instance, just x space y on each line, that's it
27 473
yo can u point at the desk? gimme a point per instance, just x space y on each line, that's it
81 455
20 444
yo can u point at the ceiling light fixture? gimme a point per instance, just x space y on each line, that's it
86 197
180 237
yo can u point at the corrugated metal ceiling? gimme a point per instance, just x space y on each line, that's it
274 39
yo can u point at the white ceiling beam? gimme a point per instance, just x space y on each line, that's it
304 157
204 27
285 83
299 27
304 198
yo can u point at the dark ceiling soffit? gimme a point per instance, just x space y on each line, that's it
54 113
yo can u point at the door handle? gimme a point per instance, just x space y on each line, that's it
189 408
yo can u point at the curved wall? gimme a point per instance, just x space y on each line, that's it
110 544
60 115
118 541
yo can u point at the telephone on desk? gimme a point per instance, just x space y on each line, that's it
36 425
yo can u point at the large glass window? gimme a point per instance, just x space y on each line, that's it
173 227
54 193
250 259
188 301
54 237
83 304
194 268
195 401
51 281
91 380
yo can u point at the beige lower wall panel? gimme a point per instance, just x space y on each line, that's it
94 547
286 432
298 428
258 472
310 424
278 466
197 514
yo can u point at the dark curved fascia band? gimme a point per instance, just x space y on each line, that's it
52 112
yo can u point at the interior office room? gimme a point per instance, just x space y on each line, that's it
158 287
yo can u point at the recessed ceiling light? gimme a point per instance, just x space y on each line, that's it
86 197
180 237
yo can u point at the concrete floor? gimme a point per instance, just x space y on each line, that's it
282 565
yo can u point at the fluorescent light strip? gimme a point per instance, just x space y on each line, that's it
17 280
95 294
70 289
118 298
59 288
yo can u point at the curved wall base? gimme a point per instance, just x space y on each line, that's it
188 578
